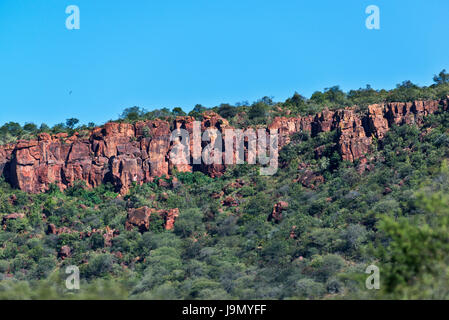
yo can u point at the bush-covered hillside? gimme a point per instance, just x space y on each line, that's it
226 244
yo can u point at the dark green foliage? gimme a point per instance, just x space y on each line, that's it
258 112
197 111
227 111
442 77
70 123
133 113
178 112
333 95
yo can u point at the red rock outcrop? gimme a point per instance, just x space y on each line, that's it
120 153
52 229
108 235
64 252
356 129
170 217
276 214
354 141
230 202
124 153
141 217
6 152
309 179
11 216
293 233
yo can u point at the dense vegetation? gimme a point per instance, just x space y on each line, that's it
395 216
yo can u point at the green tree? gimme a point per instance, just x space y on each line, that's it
258 112
132 114
442 77
71 123
178 112
227 111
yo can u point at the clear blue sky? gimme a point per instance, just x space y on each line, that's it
177 53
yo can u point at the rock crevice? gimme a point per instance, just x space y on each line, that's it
124 153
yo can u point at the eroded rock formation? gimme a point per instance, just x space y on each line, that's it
276 214
356 129
141 218
64 252
123 153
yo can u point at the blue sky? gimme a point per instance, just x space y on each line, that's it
177 53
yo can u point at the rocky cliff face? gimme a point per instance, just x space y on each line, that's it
123 153
356 130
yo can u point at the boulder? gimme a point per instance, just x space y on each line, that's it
170 217
276 214
140 218
64 252
230 202
12 216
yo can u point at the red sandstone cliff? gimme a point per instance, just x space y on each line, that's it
356 130
123 153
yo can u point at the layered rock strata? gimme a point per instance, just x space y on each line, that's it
124 153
